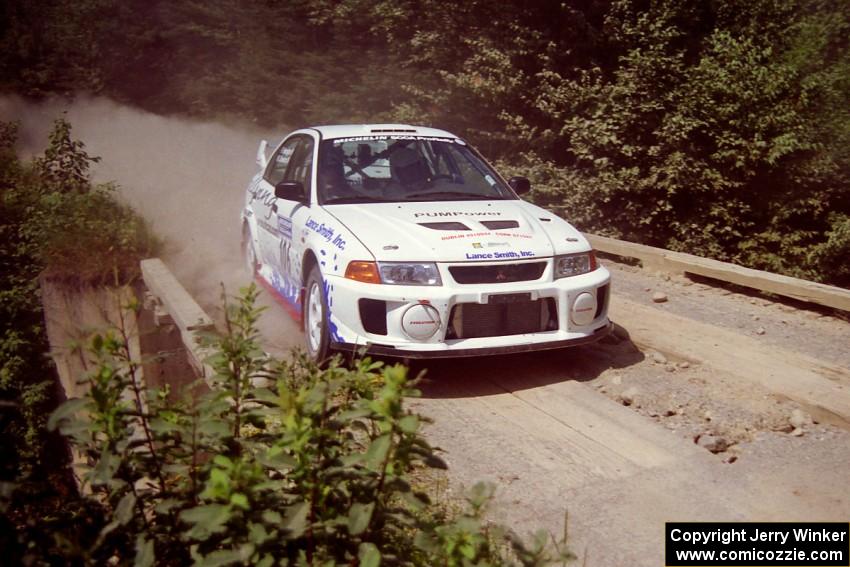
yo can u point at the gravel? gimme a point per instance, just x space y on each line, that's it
800 327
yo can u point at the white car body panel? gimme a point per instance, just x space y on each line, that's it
285 234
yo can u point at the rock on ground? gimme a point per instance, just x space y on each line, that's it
712 443
800 419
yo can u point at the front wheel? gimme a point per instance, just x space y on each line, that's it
316 317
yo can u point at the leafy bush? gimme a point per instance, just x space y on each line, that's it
51 220
85 235
92 238
718 128
28 389
278 463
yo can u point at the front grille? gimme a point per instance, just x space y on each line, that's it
476 320
498 273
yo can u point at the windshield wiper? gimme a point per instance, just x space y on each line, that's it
463 195
353 199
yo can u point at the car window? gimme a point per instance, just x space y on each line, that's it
404 168
301 163
280 161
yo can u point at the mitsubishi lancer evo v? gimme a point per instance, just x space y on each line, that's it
405 241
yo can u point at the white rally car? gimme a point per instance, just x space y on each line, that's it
402 239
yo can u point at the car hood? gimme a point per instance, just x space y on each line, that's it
458 231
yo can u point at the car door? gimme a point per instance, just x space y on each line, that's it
292 215
265 204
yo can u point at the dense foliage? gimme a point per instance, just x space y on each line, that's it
51 220
277 463
719 128
27 384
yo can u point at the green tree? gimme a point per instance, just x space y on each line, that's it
719 128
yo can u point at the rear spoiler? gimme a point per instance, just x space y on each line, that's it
262 160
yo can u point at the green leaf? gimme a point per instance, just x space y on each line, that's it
124 510
359 517
145 554
258 534
166 505
277 458
353 414
206 519
377 452
163 427
105 467
214 428
369 555
65 411
467 549
229 556
352 460
417 500
480 494
239 500
265 395
223 462
218 485
295 521
272 517
409 423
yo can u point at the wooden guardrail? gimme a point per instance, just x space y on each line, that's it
681 263
188 316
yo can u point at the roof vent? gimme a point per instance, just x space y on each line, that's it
444 225
500 224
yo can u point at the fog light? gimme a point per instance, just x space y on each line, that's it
584 309
420 321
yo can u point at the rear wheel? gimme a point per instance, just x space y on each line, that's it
316 317
249 257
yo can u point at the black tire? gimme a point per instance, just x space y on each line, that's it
316 337
249 255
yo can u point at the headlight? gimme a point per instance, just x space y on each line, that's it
574 264
409 273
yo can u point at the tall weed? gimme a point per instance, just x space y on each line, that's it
278 463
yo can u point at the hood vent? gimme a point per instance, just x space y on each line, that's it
500 224
444 225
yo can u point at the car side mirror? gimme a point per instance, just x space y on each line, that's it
291 191
520 185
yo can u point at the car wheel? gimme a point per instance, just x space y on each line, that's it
249 256
316 317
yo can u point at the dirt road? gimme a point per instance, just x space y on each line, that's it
707 411
554 434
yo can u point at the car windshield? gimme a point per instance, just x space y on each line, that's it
368 169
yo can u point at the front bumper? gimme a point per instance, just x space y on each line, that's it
383 350
347 330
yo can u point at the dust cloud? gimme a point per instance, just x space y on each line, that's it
187 178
